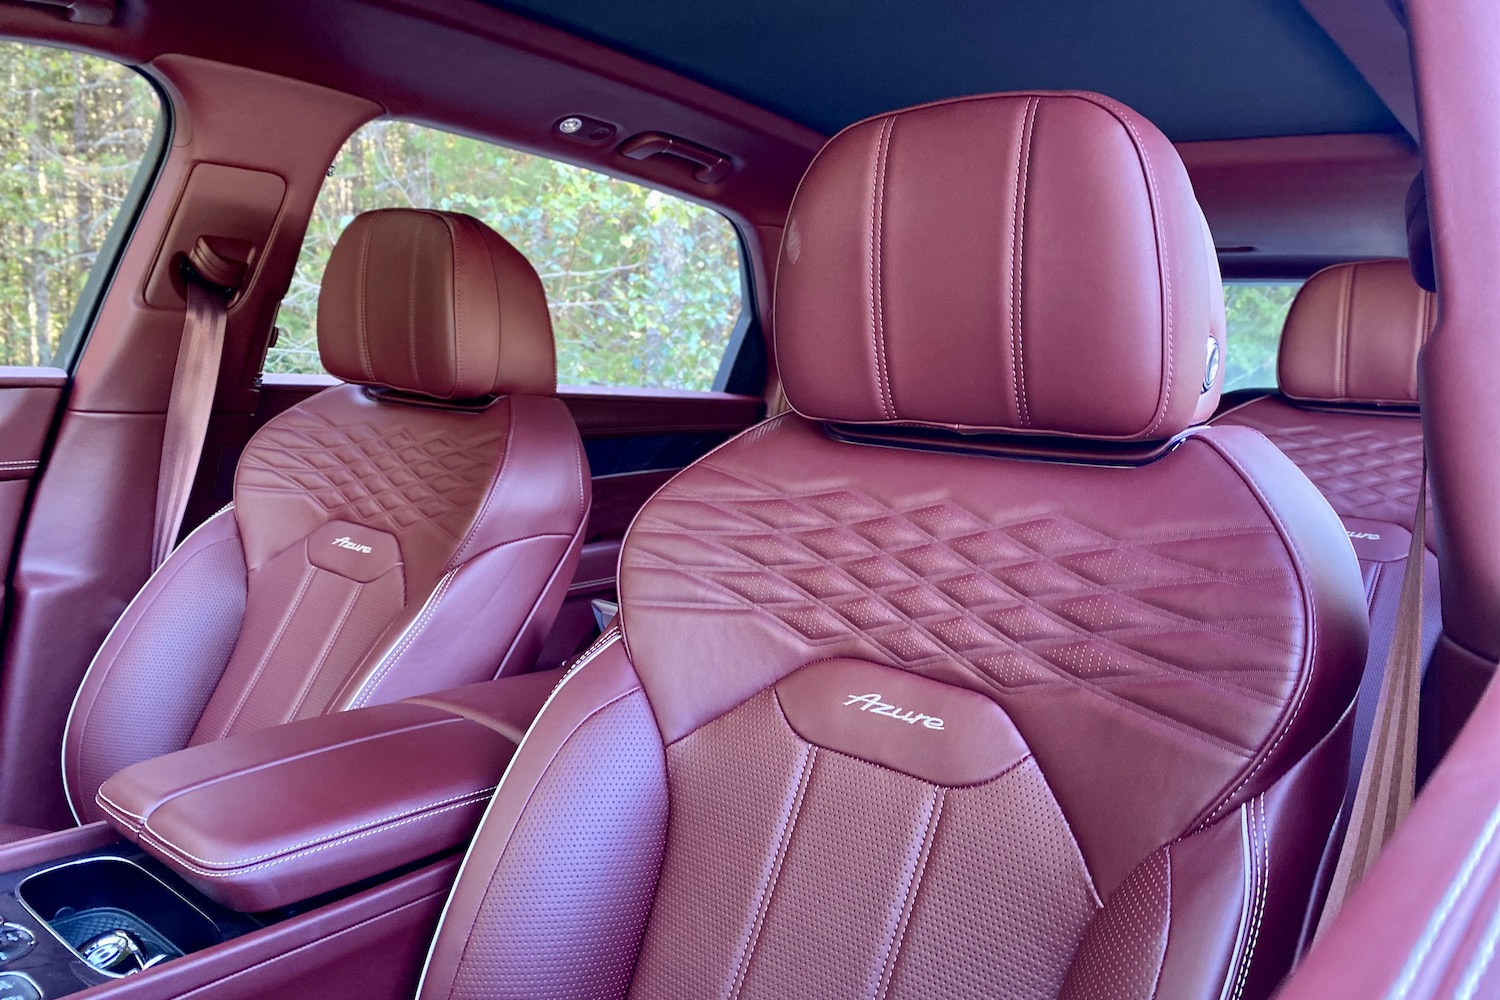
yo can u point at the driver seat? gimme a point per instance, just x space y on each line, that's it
984 672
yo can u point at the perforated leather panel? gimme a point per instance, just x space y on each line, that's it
580 871
1121 954
190 612
794 870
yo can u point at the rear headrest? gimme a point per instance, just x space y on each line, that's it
1353 335
436 304
1032 263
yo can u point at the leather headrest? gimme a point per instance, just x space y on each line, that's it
436 304
1353 335
1419 234
1032 263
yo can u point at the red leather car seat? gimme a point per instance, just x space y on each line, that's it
412 530
1346 414
979 674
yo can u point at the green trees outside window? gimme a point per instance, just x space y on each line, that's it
1255 311
645 288
73 132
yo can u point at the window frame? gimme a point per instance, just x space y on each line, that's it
745 365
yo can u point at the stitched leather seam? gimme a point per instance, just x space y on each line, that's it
1304 675
265 658
1123 116
763 903
1011 642
110 804
360 309
123 824
407 638
511 432
877 286
297 756
894 946
316 667
168 848
1018 267
458 306
369 826
1256 820
411 306
1345 326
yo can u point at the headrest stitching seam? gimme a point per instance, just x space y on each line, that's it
411 307
1346 311
458 307
361 311
1163 266
877 298
1018 269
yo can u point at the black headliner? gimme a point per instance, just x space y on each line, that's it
1200 69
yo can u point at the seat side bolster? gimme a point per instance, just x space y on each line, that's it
580 815
148 684
1337 629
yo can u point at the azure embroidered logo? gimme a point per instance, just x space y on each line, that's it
348 543
871 703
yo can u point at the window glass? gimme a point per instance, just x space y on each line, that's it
1255 311
74 130
644 287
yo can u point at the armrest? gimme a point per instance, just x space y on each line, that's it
265 819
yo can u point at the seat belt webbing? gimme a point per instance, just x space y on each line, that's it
1387 779
212 272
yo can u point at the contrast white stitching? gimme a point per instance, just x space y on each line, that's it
405 816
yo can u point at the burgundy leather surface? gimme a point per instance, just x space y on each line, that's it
553 900
377 548
1353 335
1096 240
436 304
265 819
1142 663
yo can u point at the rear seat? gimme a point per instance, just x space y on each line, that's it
1346 414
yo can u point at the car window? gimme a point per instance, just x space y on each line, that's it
74 131
645 288
1255 312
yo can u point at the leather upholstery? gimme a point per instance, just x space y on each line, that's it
437 304
1103 246
896 720
1351 343
378 547
412 780
1353 335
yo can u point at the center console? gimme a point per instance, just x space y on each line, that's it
312 857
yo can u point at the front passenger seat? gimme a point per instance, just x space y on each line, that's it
411 530
982 673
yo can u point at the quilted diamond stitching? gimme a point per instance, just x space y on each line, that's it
1362 472
1039 602
385 478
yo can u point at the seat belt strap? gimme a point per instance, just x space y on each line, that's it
212 272
1387 779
